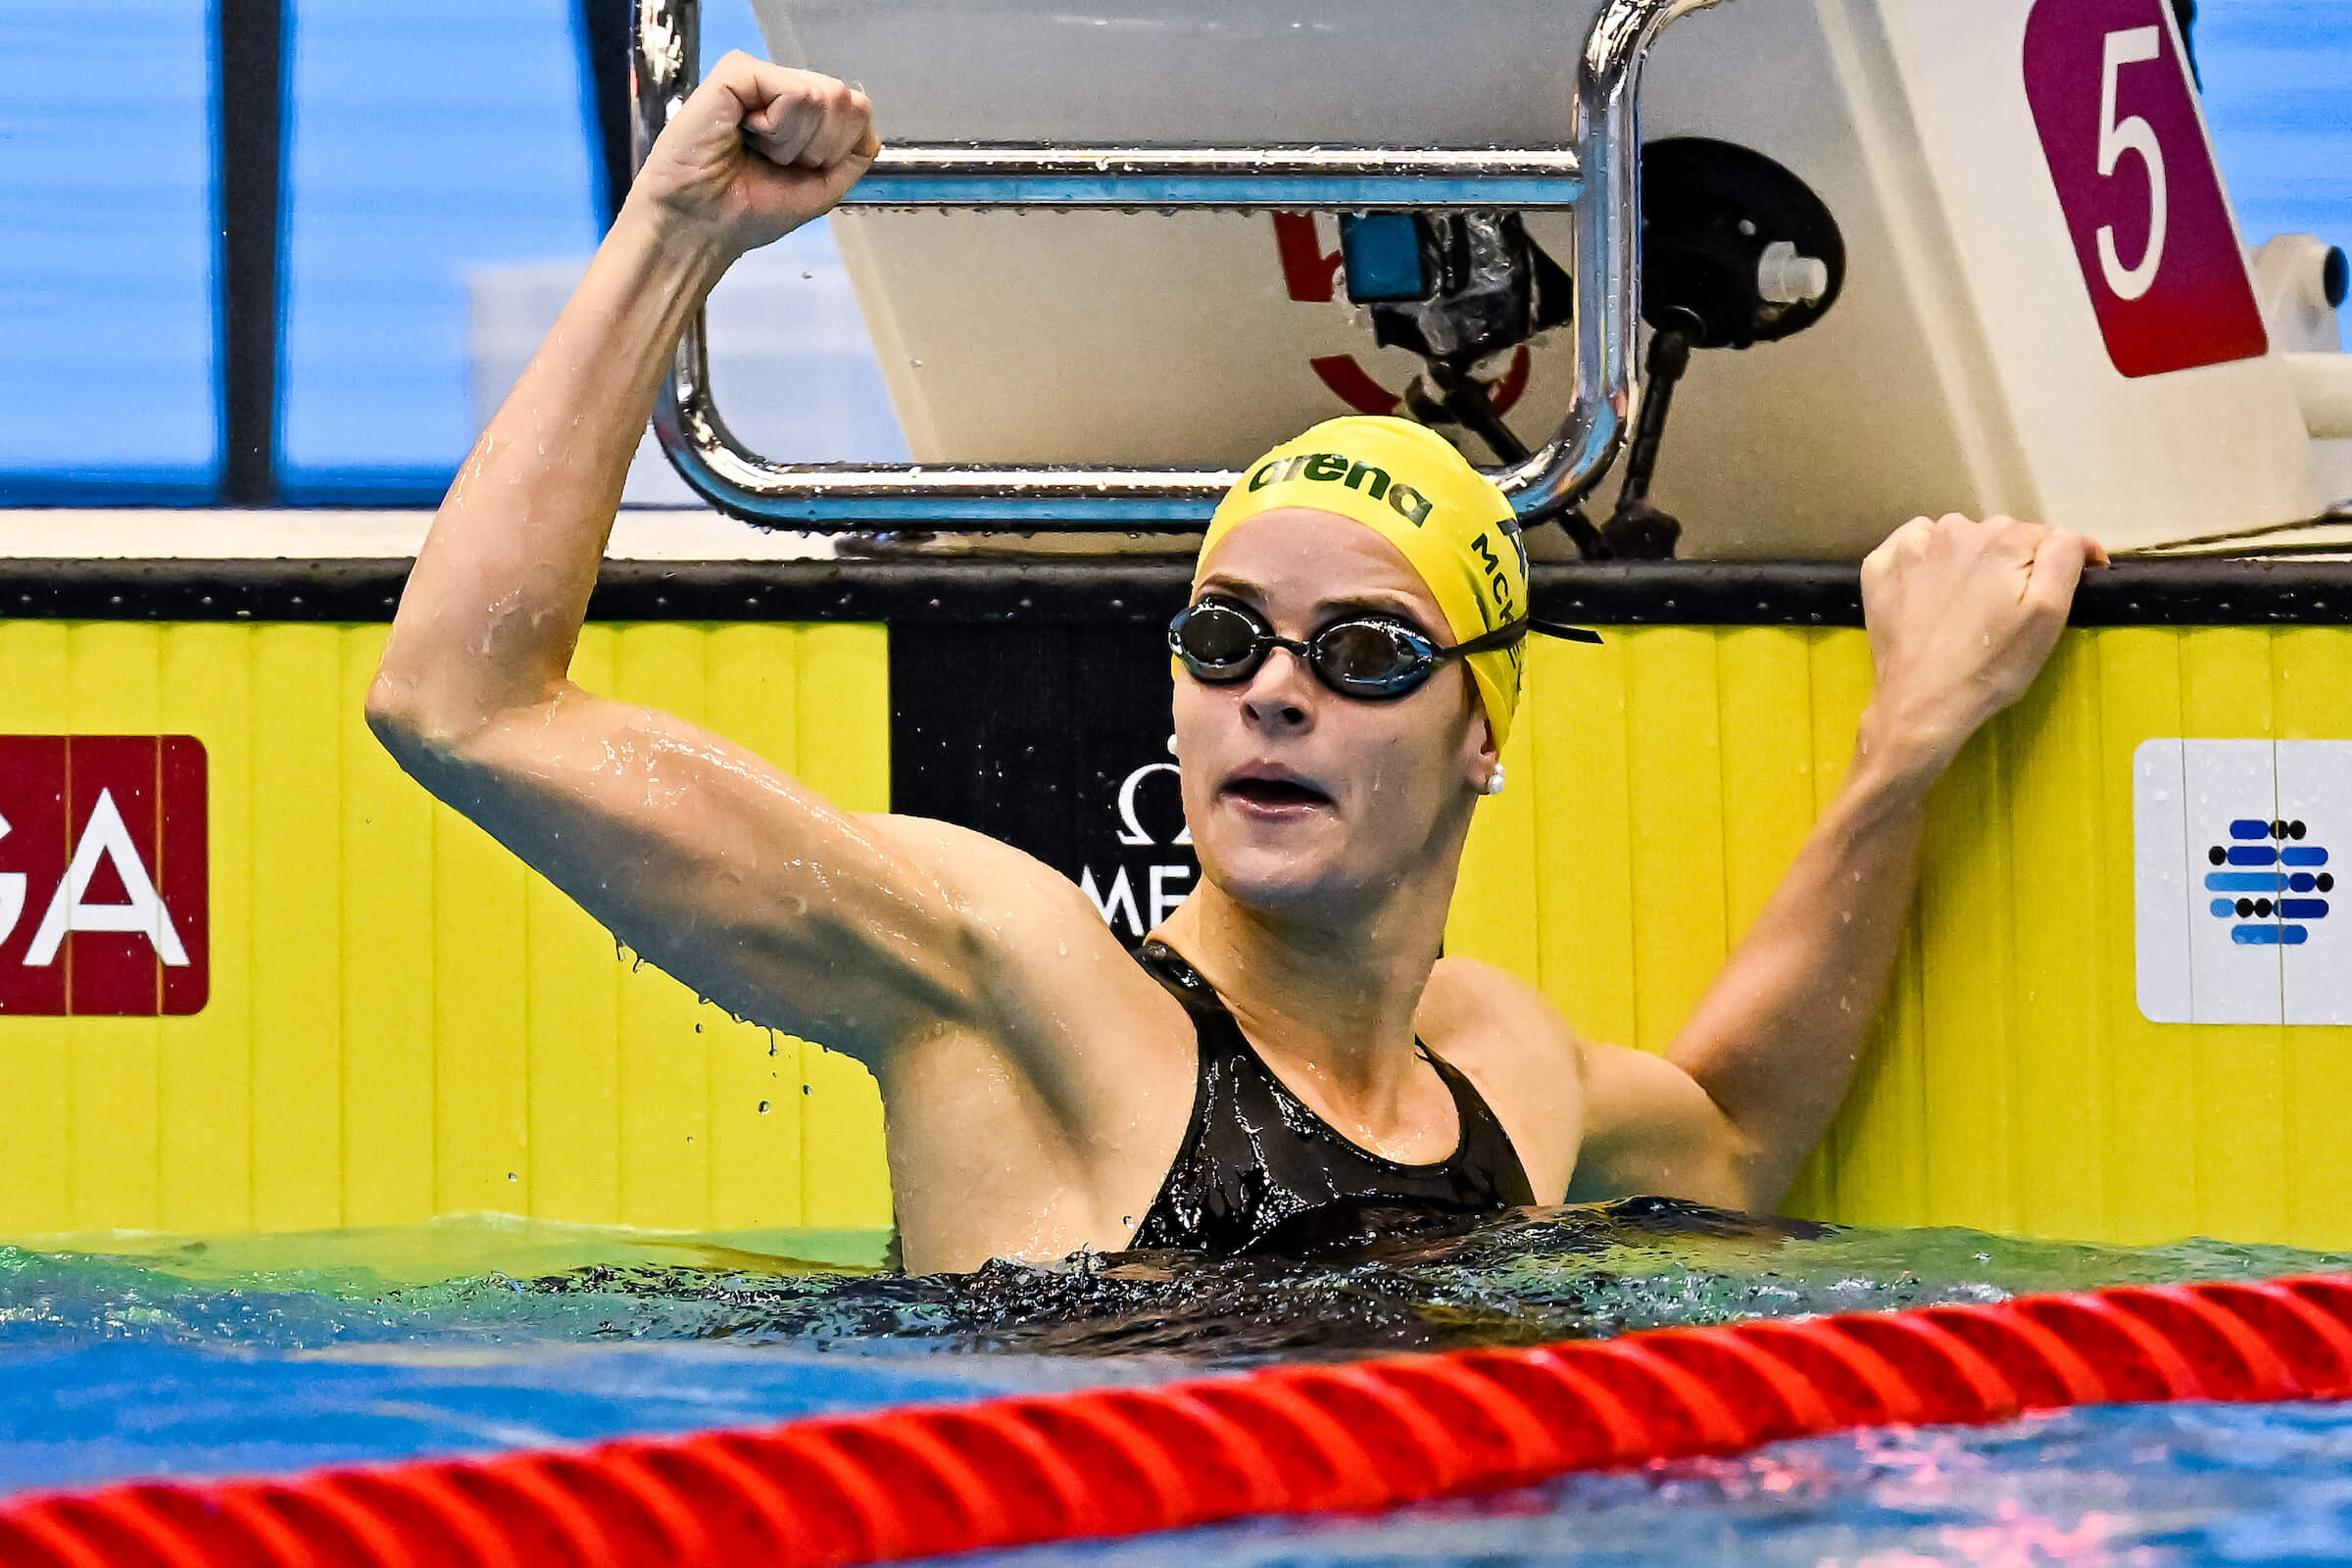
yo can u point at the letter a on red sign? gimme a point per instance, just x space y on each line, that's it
104 896
2134 171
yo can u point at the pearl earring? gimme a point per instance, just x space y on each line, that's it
1495 781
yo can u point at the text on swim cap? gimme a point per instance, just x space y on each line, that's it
1498 582
1331 467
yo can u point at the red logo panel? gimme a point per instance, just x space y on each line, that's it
103 875
2136 174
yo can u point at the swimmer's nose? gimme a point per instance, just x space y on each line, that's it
1277 696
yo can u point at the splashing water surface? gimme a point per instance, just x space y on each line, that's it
277 1353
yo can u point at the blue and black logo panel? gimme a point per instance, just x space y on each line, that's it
2272 880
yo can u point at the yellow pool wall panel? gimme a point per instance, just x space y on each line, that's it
1659 786
404 1021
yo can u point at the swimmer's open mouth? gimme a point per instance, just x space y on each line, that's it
1272 788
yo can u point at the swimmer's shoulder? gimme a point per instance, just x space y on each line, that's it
1474 1000
962 860
1521 1055
1106 1052
986 877
1034 930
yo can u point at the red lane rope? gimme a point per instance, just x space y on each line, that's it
919 1482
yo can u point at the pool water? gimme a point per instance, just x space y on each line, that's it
276 1354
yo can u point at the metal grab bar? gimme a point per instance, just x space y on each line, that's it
1604 163
1348 180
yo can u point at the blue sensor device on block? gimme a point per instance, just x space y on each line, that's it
1382 252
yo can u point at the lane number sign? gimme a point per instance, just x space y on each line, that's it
2127 152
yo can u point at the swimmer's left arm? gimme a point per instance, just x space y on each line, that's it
1728 1112
1962 616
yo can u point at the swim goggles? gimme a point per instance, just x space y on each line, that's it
1368 655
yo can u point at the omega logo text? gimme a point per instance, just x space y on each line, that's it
1138 895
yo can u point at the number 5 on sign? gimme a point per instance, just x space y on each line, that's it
2132 135
2134 176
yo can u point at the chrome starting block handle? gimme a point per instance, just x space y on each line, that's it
1599 178
1346 179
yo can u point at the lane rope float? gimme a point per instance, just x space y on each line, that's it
1292 1440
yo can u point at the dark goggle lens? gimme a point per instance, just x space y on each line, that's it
1371 656
1215 639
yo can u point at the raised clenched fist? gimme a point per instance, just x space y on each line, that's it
1962 616
757 151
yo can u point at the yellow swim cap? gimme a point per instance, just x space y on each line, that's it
1408 484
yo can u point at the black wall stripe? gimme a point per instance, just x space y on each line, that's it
1140 592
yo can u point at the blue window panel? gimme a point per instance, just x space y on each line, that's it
106 253
425 138
2276 77
729 25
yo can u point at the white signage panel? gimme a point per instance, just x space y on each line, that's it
2234 882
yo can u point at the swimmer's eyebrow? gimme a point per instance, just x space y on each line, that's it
1223 582
1384 601
1389 604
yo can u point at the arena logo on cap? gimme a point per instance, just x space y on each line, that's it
1334 468
103 898
2233 886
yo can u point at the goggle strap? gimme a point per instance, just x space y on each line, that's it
1504 636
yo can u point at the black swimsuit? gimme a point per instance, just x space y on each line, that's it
1258 1171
